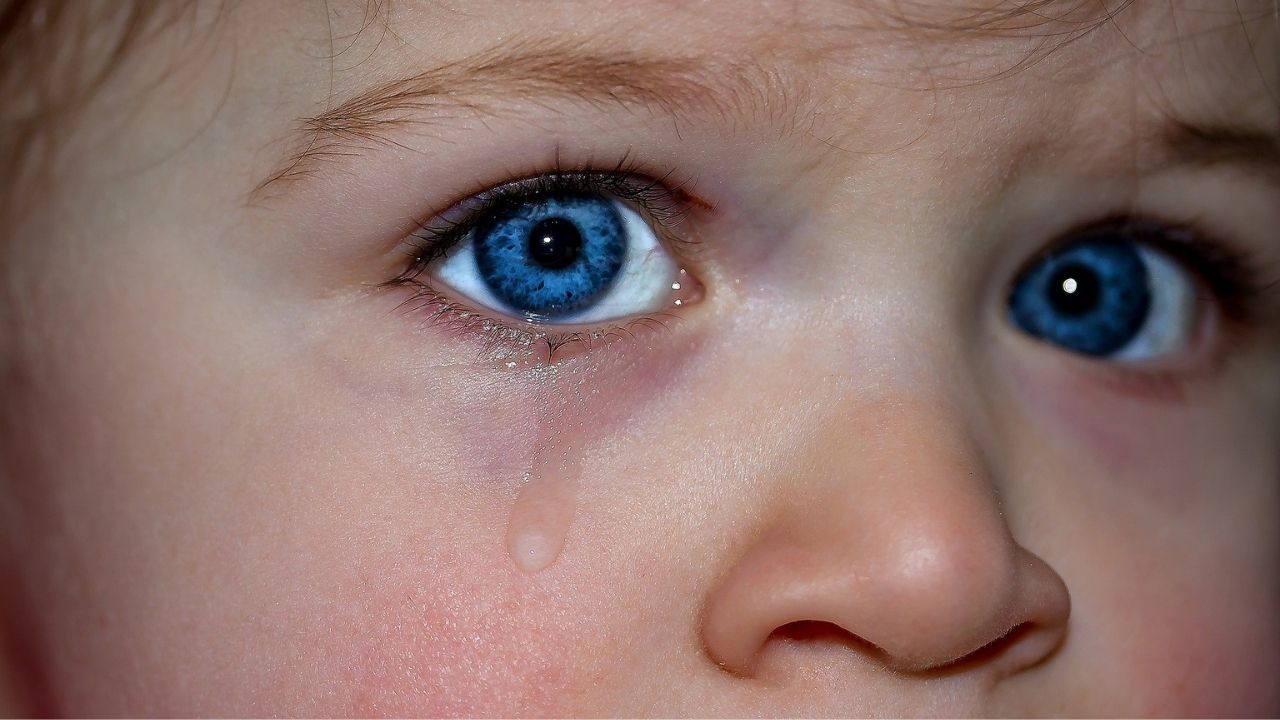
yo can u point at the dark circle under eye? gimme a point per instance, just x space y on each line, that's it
1092 296
549 256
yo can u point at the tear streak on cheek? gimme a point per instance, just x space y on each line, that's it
578 406
485 430
546 504
494 632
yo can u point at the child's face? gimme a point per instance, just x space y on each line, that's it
246 473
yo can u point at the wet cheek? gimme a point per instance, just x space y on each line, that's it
516 438
467 617
396 582
583 406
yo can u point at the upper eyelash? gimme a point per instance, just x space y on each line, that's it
666 203
1230 272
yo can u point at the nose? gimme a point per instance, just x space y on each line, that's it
887 526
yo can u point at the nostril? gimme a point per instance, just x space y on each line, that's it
817 632
809 638
1025 646
986 654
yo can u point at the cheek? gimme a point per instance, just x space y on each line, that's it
1165 623
448 621
1207 649
1157 454
1164 528
260 533
470 636
375 551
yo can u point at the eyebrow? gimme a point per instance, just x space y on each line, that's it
679 89
1215 144
682 90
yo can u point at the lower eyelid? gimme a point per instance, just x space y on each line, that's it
513 345
1177 379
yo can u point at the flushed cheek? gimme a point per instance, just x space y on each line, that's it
400 588
474 627
463 618
475 639
1200 654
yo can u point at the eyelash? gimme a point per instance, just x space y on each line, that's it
1228 271
1230 274
1234 279
664 202
1229 287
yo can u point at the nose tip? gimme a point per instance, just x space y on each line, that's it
934 604
947 591
950 603
904 549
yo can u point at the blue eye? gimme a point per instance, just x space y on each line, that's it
564 257
1106 296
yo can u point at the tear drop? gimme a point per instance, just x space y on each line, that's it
541 518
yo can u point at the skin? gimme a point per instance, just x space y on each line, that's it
239 478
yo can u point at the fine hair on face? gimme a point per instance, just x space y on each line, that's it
601 358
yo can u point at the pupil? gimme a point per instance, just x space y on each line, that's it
1074 289
555 243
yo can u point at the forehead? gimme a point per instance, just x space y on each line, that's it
946 40
856 74
1205 60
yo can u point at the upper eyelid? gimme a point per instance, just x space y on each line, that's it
620 181
1176 142
439 234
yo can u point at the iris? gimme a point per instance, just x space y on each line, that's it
551 256
1093 296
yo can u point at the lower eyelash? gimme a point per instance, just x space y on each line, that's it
500 341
